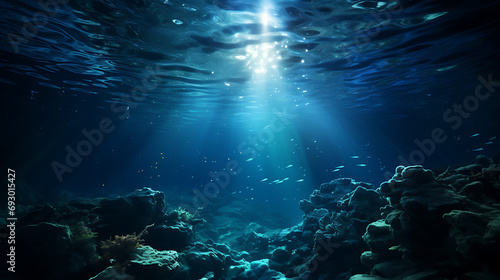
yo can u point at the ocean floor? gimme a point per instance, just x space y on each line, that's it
418 225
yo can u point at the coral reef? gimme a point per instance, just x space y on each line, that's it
437 227
418 225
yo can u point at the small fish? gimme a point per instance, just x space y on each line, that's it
336 170
394 248
263 180
494 137
250 159
354 156
340 166
361 164
286 179
288 166
300 180
276 181
478 149
279 182
474 135
489 143
368 156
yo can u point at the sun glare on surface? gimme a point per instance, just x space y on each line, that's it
262 57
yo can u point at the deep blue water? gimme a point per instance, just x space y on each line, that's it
291 94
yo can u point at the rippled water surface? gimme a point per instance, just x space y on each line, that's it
237 57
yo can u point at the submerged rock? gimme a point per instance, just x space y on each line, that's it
328 242
176 237
280 255
36 242
153 264
477 235
437 227
379 237
128 214
201 259
329 194
147 264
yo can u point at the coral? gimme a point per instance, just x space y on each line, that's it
122 248
184 216
82 233
153 264
84 241
147 264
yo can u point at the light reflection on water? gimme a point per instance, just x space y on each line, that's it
359 56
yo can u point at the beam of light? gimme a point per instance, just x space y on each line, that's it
264 18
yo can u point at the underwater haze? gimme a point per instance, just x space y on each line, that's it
235 112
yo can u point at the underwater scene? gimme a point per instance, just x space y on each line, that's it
250 140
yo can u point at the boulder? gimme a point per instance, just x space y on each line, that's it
201 259
128 214
35 242
280 255
175 237
379 237
477 235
